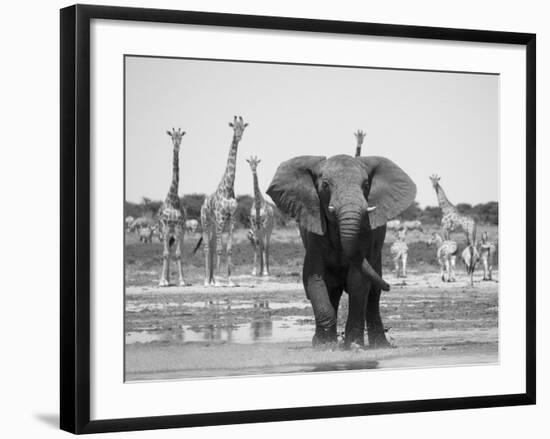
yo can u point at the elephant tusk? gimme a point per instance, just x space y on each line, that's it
371 208
331 208
374 276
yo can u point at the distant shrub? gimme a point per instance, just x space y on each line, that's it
193 204
484 213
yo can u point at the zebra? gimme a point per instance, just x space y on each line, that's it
191 225
446 256
487 256
146 234
399 250
393 224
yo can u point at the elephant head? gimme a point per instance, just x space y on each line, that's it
350 192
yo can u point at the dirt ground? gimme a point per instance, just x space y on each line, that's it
265 325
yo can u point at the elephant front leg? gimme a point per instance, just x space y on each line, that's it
324 312
357 303
375 328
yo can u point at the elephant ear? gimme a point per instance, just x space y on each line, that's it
293 191
391 189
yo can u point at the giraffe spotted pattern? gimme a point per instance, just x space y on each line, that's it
218 212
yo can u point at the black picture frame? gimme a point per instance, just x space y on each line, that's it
75 217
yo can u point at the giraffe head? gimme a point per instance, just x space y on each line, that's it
435 180
176 136
360 136
238 126
253 162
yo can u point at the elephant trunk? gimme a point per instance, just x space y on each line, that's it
350 219
368 271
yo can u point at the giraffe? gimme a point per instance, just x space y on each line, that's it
261 222
487 256
399 250
219 209
446 256
172 217
360 136
451 220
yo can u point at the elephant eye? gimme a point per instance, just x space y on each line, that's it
324 184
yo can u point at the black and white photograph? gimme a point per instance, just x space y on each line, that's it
288 218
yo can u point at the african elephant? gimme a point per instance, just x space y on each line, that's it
342 205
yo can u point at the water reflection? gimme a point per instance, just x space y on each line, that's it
225 304
261 329
348 365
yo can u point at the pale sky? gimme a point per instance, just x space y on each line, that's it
427 122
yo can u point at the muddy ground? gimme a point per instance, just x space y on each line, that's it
265 325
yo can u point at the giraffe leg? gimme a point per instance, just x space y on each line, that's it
267 244
261 253
453 263
219 231
448 269
206 248
441 270
405 264
472 265
396 264
165 273
179 248
264 259
206 244
229 249
255 247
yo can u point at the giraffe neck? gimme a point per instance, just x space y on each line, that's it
358 150
226 186
258 197
173 198
444 202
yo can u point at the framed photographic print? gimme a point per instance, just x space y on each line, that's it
273 218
